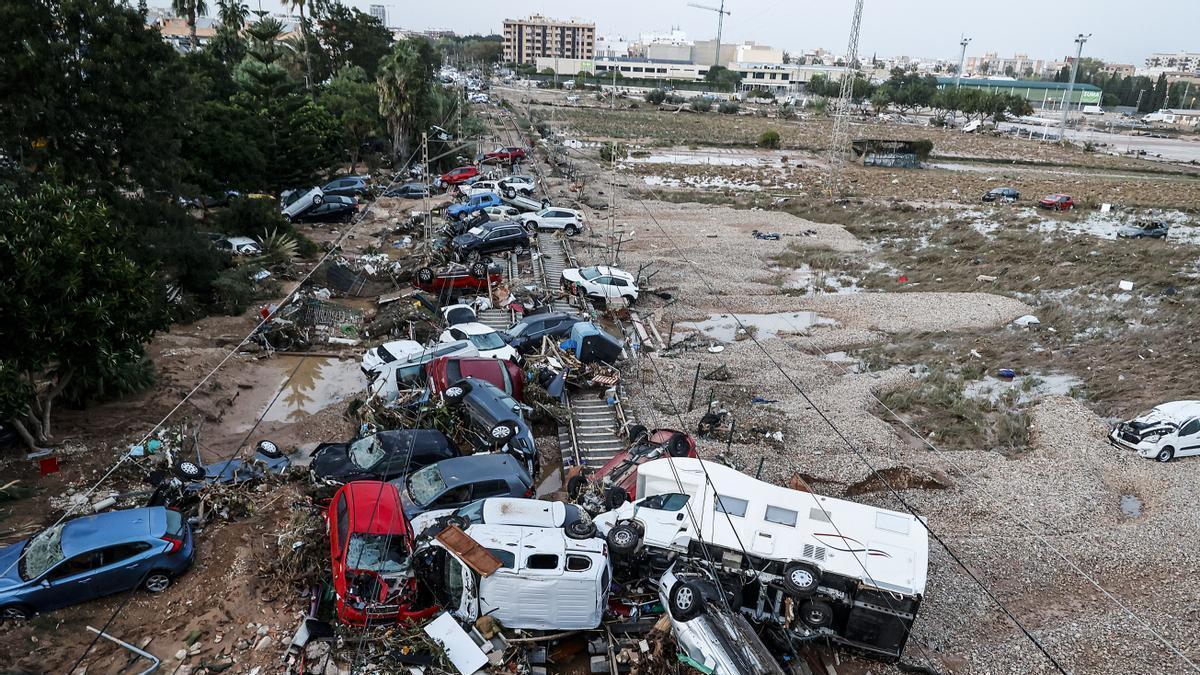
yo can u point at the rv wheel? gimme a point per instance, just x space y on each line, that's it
801 579
1166 454
623 539
425 275
581 529
685 601
816 613
455 393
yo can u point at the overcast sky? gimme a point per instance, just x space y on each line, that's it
1122 31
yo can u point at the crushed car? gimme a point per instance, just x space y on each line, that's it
452 483
1165 432
493 420
384 455
615 483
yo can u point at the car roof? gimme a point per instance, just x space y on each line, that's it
523 511
375 507
474 328
536 318
239 241
613 272
474 468
112 527
479 367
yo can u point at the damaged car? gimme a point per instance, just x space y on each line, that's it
510 511
615 483
493 420
452 483
1165 432
500 373
384 455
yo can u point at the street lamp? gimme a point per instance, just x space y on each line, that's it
1066 102
962 58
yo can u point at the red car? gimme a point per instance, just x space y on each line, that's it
1057 202
504 155
370 542
504 374
617 480
459 175
457 277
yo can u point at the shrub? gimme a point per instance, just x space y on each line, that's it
815 105
656 96
613 151
254 217
702 104
769 139
727 108
923 148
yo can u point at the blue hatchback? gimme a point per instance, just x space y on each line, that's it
93 556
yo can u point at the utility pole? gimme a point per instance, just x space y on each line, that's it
612 95
841 107
427 217
721 12
1079 40
962 59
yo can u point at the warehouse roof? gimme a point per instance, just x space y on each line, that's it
1020 84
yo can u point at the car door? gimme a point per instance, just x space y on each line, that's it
600 287
122 567
1189 439
664 517
67 583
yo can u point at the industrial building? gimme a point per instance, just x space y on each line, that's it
1040 94
525 40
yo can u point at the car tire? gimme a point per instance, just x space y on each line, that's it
629 299
455 393
15 613
623 539
478 270
685 601
287 217
1166 454
801 579
580 529
531 226
269 449
318 200
571 230
157 581
518 249
189 471
615 497
816 613
425 275
502 433
678 446
509 193
638 434
546 203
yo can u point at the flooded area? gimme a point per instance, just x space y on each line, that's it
318 383
1025 387
711 157
726 328
712 182
1131 506
815 281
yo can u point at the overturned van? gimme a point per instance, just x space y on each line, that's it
813 564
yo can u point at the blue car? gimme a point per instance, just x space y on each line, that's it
475 203
86 558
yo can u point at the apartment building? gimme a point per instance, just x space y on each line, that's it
527 39
992 64
1180 61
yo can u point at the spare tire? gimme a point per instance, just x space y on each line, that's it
801 579
502 433
685 601
623 539
425 275
678 446
580 529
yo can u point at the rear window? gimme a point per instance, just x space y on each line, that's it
174 522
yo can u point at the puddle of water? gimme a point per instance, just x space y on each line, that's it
992 388
724 328
843 360
1131 506
318 383
814 281
711 157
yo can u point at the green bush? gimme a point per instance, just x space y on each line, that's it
613 151
702 104
769 139
727 108
923 148
656 96
257 218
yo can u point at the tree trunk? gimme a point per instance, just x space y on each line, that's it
24 433
307 58
192 27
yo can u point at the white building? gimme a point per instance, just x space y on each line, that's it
379 12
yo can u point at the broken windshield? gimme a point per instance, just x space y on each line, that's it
487 341
425 485
383 553
43 552
366 452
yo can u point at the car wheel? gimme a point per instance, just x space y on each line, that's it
502 433
15 613
545 203
623 539
509 193
287 217
479 270
571 230
425 275
678 446
615 497
318 200
685 601
269 449
1166 454
637 434
157 582
189 471
518 249
629 299
581 529
816 613
801 579
531 225
456 392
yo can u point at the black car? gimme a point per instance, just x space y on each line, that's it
452 483
1002 194
491 238
348 186
408 191
380 456
493 419
335 209
526 335
455 228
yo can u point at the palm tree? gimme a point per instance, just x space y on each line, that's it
299 5
232 14
401 82
188 9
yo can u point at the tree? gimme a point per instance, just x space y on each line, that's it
722 78
72 299
880 100
404 83
188 9
228 44
349 37
232 14
350 97
299 7
656 96
260 73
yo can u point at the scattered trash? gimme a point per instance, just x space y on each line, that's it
1006 373
1125 285
985 278
1027 320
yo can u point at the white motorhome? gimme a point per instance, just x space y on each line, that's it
1168 431
859 570
544 580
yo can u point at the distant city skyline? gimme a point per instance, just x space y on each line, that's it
915 28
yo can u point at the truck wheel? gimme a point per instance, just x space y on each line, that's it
425 275
456 392
502 433
816 613
801 579
623 539
1166 454
685 601
581 529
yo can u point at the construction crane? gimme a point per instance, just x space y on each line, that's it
721 12
841 108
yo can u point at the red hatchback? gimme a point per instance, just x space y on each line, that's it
617 479
504 374
1057 202
459 175
507 155
457 277
370 542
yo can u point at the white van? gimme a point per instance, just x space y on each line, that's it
822 551
545 580
1168 431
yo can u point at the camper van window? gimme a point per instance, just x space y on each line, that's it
731 505
782 516
507 558
578 563
671 501
542 561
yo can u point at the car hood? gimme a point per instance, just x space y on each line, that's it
332 462
9 556
465 239
506 352
572 275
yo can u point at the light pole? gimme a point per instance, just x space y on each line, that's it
1066 103
962 59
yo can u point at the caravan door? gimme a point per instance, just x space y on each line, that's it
665 519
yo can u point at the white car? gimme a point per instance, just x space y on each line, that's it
524 203
502 212
555 218
510 186
478 98
481 186
1168 431
458 314
238 245
295 203
486 340
507 511
406 355
600 283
